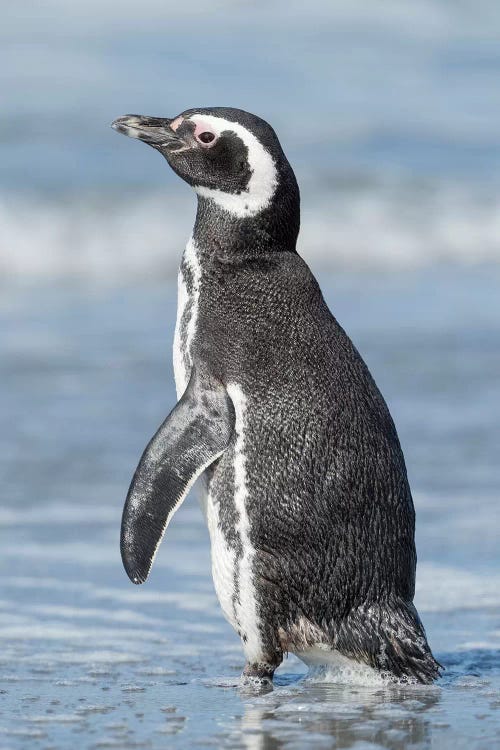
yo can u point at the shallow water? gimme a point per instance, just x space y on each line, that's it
89 659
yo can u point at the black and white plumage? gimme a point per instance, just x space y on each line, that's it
307 499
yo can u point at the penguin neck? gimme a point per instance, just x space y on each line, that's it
233 239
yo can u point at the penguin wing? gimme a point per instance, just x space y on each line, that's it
195 433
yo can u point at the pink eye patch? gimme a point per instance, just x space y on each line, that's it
175 123
204 134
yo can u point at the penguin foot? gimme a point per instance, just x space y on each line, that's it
258 676
250 684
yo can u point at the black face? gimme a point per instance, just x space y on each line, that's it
202 147
211 158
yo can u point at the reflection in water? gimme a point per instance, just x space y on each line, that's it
339 715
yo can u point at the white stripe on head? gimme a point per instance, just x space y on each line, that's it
264 178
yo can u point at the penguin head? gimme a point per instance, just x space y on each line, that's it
229 156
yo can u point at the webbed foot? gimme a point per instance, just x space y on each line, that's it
258 676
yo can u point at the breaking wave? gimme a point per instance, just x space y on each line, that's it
119 237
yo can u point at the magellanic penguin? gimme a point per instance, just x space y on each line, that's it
307 499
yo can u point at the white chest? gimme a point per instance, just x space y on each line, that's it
233 577
233 574
188 295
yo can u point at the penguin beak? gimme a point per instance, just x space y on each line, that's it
155 131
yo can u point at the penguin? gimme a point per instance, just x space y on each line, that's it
306 494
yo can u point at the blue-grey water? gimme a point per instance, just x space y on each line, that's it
390 116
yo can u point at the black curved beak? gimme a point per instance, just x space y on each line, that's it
155 131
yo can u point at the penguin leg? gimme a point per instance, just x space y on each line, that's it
262 663
193 436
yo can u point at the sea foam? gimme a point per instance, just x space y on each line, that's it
118 238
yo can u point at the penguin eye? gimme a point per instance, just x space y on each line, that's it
206 137
204 134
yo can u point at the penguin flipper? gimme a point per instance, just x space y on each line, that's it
195 433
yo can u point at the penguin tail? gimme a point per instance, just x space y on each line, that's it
390 637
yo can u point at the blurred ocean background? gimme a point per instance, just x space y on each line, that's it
390 114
